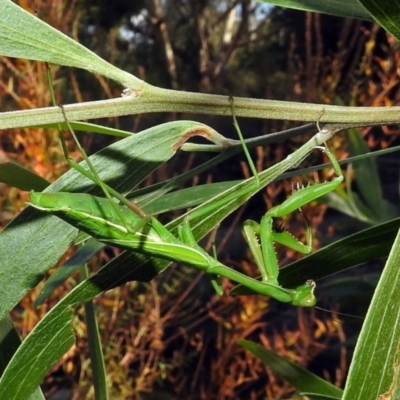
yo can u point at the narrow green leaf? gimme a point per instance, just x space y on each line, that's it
44 346
61 274
9 341
297 376
186 198
342 203
29 246
367 179
16 176
23 35
374 370
99 379
386 13
341 8
37 395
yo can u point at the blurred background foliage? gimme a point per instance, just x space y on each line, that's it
173 338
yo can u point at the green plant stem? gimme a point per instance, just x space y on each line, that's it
152 99
95 351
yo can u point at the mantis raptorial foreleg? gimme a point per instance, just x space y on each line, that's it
261 237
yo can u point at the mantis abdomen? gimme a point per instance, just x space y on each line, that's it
97 217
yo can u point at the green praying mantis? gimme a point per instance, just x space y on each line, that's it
125 226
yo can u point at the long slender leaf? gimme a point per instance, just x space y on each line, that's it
341 8
95 347
16 176
65 271
386 13
186 198
374 370
368 183
24 35
297 376
54 336
367 177
9 343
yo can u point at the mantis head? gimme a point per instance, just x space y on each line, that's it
304 296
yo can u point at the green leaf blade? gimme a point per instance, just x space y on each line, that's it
386 13
297 376
23 35
340 8
16 176
374 370
46 344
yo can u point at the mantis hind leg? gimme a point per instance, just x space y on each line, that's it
241 138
